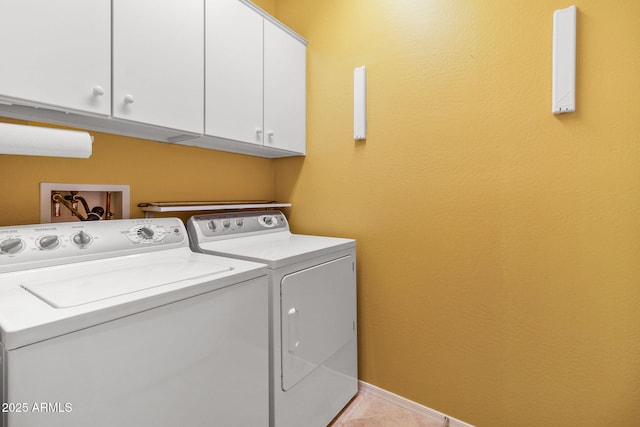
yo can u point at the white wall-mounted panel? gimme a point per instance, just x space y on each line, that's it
360 103
564 61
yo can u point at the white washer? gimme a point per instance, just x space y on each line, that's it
119 323
312 283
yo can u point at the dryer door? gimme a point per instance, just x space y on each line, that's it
318 316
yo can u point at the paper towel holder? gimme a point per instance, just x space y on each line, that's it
44 141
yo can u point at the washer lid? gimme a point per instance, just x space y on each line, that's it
77 285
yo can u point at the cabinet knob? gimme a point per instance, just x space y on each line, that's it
259 131
270 133
98 91
128 99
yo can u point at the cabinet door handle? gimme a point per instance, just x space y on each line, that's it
98 91
128 99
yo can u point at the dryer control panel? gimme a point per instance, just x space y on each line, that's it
65 242
234 224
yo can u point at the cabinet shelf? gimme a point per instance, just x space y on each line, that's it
151 207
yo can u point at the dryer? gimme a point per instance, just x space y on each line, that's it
312 322
119 323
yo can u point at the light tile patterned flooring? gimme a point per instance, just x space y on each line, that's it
368 410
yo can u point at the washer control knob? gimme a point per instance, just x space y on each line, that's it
81 239
226 223
48 242
239 222
12 245
211 225
146 233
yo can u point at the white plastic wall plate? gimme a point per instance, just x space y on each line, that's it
564 61
360 103
94 194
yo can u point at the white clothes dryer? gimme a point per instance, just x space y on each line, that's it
312 323
119 323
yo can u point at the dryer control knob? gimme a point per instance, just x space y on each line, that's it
12 245
211 225
226 223
267 221
239 222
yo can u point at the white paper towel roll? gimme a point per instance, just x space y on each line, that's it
41 141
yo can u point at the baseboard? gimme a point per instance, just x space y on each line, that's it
410 405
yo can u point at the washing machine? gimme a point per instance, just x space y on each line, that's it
312 322
120 323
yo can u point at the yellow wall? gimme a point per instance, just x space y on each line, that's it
268 6
498 244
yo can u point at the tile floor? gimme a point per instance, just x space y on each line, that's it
368 410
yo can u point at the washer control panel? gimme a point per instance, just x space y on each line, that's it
61 241
233 224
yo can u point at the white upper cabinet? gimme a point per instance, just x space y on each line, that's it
158 63
56 54
255 79
284 90
234 71
219 74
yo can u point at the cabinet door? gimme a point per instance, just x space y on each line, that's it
158 62
284 90
234 71
57 53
